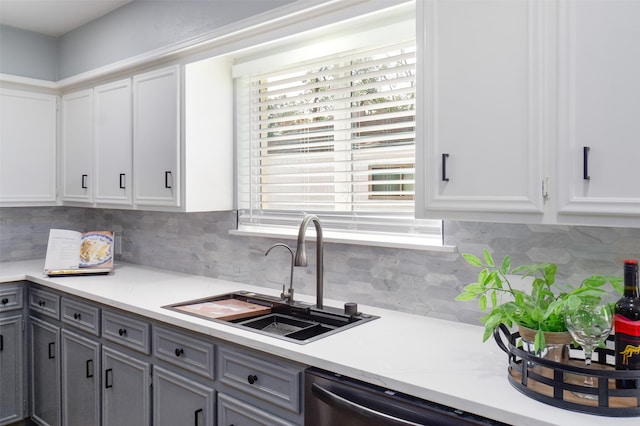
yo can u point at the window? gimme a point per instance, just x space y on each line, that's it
333 136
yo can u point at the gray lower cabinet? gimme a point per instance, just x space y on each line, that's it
126 391
45 372
80 380
181 401
234 412
12 403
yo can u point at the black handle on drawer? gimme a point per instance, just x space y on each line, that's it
41 302
166 179
252 379
89 368
122 175
84 182
108 373
585 163
179 351
122 331
5 301
52 354
444 167
198 411
1 343
76 316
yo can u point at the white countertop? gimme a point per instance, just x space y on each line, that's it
441 361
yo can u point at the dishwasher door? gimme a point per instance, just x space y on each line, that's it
332 399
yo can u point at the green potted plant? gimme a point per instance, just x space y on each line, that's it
541 309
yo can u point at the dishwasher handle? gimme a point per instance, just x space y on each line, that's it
337 401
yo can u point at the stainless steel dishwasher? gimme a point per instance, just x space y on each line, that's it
334 400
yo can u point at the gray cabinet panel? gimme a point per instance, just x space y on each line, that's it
180 401
44 302
126 331
263 378
183 351
11 369
45 373
233 412
81 315
11 297
80 380
125 390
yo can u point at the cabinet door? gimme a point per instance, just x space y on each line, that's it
27 148
11 370
233 412
180 401
125 390
156 137
45 369
77 147
480 130
113 143
80 380
599 88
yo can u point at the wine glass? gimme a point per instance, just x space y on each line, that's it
589 325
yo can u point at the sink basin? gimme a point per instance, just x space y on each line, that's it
297 322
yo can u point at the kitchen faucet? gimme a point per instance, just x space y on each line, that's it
288 296
301 255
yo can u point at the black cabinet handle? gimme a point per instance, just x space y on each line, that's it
84 182
1 343
166 179
198 411
252 379
40 302
89 368
585 163
108 373
444 167
122 331
52 347
76 316
122 181
179 351
5 301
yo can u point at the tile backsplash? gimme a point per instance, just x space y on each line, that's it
415 281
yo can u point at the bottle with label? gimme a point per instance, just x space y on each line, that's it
627 325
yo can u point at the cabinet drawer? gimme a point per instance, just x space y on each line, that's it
11 297
183 351
263 378
232 411
45 302
81 315
126 331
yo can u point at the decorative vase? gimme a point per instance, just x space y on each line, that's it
556 348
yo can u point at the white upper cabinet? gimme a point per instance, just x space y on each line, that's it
113 143
599 112
156 137
480 110
27 148
77 147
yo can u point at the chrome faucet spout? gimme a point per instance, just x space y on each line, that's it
301 255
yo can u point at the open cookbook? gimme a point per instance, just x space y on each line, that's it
78 253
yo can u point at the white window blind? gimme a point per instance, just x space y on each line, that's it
334 137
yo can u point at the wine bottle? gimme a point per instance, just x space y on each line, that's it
627 325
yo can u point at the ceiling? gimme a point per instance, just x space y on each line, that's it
54 17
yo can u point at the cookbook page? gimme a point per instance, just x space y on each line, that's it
62 250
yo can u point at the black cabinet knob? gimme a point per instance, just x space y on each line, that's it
122 331
41 303
179 351
76 316
5 301
252 379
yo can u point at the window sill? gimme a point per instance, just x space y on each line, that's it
425 242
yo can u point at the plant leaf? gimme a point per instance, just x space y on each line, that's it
466 296
472 260
483 302
488 258
540 342
506 265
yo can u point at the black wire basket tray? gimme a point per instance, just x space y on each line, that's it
556 383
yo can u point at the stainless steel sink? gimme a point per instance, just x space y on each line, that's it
297 322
